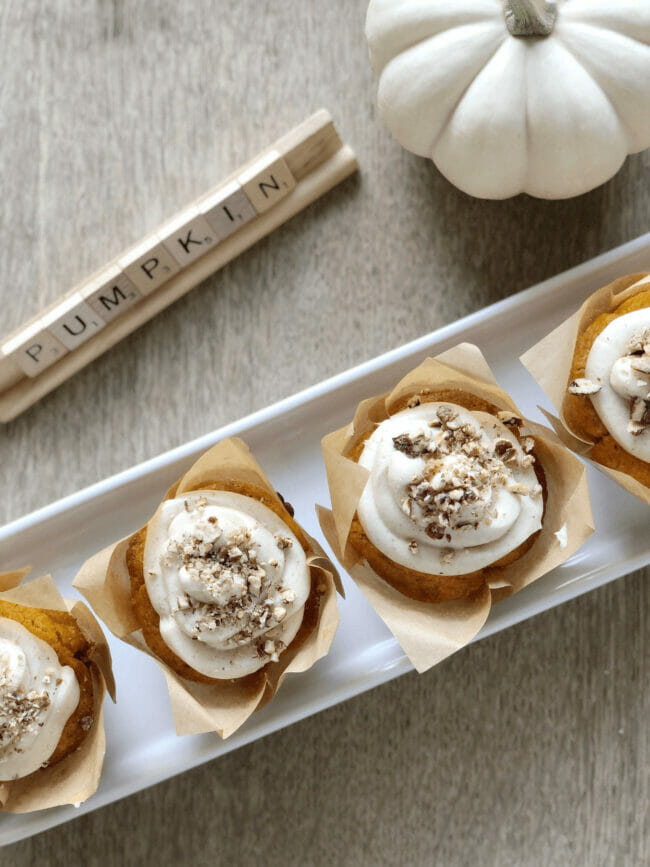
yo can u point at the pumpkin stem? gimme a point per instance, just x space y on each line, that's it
530 17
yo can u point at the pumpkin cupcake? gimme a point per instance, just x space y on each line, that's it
600 381
455 492
54 667
222 587
445 500
220 583
46 689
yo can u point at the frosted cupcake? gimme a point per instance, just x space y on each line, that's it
596 369
54 668
222 587
453 494
445 500
46 689
220 583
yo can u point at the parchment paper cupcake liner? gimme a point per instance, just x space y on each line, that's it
550 360
430 632
75 778
224 707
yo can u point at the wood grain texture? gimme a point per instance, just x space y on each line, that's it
530 748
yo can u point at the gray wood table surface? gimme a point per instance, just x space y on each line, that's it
529 748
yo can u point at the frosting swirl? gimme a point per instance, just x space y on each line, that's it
618 365
228 579
37 697
450 490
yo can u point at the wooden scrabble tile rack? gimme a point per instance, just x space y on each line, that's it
261 195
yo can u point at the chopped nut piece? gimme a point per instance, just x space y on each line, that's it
447 556
583 386
279 612
414 401
518 488
505 450
435 532
447 413
413 546
639 417
507 417
639 343
527 444
638 409
412 447
641 363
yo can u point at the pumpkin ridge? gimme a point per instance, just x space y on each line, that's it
578 60
608 20
454 108
595 74
587 24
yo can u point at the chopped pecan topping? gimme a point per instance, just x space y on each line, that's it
505 450
20 711
639 344
412 447
639 417
461 468
640 363
509 418
583 386
243 592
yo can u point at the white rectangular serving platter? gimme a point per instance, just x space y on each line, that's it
142 748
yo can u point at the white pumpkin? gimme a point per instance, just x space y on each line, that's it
511 96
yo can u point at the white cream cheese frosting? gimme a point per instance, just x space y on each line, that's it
618 365
37 697
450 490
228 579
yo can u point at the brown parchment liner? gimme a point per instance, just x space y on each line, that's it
75 778
550 360
224 707
429 632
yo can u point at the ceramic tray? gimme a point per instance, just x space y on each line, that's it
142 747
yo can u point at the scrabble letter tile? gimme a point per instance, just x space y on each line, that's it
72 322
34 349
110 293
227 210
188 236
149 265
266 182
